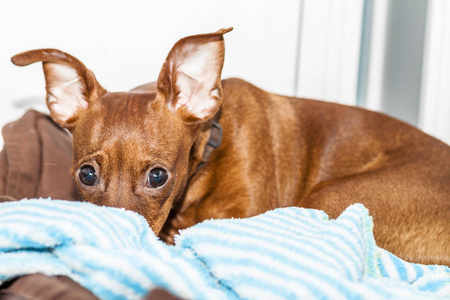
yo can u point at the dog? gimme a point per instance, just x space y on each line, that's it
192 146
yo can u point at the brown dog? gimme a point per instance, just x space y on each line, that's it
151 150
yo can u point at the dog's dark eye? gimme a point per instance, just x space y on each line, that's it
87 175
157 177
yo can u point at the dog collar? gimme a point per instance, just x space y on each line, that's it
215 139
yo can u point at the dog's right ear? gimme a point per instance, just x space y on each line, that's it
190 79
70 85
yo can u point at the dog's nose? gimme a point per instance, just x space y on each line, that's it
119 193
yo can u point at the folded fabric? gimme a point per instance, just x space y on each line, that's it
287 253
36 159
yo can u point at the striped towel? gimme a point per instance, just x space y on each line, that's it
287 253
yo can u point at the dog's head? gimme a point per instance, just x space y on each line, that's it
136 149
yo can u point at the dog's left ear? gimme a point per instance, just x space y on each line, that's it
70 86
190 79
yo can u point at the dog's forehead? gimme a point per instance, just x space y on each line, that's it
131 123
129 105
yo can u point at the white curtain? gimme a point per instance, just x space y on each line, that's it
385 55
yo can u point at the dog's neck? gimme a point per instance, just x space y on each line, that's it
214 141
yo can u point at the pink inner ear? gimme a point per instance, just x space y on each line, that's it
198 69
65 97
195 97
187 86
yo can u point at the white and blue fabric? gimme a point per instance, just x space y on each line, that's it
287 253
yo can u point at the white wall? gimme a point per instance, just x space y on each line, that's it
125 44
435 102
310 48
329 53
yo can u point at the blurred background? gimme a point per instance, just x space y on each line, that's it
385 55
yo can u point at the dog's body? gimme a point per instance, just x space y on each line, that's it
145 150
279 151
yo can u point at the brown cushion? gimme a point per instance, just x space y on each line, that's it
36 159
39 286
42 287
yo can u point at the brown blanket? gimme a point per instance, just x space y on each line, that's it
35 162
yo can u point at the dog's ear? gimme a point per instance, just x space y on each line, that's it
190 79
70 85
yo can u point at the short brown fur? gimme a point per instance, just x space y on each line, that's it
276 152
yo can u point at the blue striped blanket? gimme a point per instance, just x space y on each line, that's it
287 253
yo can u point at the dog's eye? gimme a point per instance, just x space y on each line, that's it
157 177
87 175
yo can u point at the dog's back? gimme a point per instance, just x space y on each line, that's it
280 151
